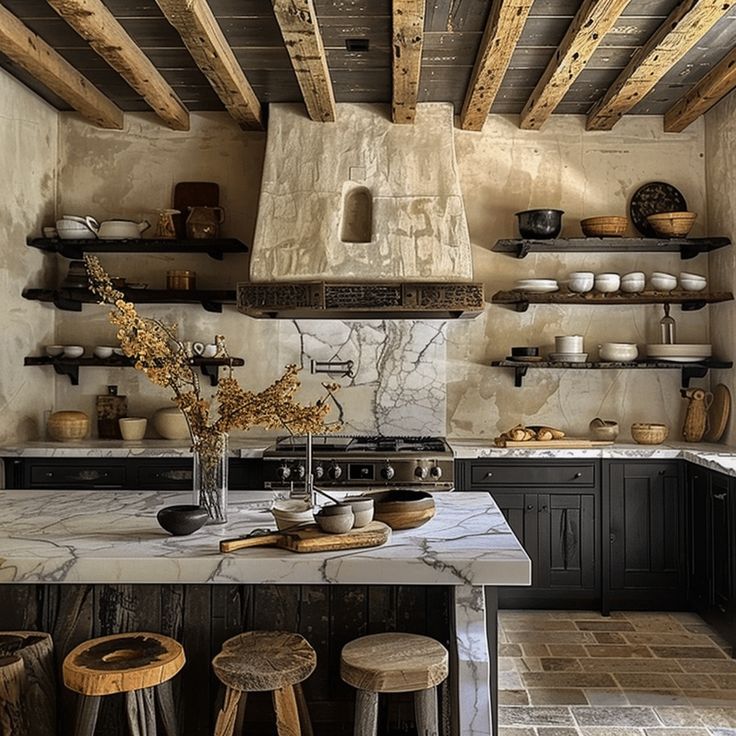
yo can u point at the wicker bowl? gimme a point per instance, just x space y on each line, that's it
612 226
65 426
672 224
649 434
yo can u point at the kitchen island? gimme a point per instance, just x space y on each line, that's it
81 538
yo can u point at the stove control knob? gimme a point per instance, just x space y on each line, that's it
387 472
334 472
421 472
436 472
300 471
319 472
283 472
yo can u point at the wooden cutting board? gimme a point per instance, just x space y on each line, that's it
193 194
312 539
568 443
718 415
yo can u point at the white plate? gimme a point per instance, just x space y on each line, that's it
537 288
537 282
568 357
682 358
678 350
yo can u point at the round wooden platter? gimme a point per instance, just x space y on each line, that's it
720 411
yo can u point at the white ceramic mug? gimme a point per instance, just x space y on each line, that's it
198 348
132 428
209 350
569 344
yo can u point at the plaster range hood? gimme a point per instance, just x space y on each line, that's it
361 219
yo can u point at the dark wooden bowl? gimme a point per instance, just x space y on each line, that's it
403 509
182 520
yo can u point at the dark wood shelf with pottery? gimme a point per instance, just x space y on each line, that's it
72 299
75 249
689 370
70 366
690 300
686 247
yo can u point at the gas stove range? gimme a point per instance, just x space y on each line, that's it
362 462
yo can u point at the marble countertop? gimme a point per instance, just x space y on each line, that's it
113 537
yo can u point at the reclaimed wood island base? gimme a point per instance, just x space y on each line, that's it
82 564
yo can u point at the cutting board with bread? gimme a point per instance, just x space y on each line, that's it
543 437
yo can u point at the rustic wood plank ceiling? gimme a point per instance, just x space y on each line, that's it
357 40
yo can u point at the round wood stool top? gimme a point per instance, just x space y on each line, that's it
122 662
257 661
394 663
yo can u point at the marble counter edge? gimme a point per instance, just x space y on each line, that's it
252 449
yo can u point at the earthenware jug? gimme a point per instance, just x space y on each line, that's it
696 415
204 222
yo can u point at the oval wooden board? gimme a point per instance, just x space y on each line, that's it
718 415
311 539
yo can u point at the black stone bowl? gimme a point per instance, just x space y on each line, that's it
541 224
182 520
525 351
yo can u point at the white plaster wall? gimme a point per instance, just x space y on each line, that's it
720 151
412 377
28 152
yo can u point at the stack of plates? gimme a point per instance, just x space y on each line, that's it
538 286
568 357
679 353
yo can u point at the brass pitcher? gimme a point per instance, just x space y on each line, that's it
204 222
696 415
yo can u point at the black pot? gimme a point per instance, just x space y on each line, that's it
542 224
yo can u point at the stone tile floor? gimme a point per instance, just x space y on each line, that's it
576 673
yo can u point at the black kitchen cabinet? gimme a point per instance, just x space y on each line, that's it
711 506
645 560
552 507
169 474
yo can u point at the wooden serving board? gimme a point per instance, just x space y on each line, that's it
568 443
311 539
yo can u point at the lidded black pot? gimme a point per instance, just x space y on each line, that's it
541 224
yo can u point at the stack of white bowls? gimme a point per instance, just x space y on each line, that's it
663 281
568 349
634 282
692 282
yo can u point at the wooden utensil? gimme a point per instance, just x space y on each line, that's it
720 411
311 539
193 194
696 416
567 443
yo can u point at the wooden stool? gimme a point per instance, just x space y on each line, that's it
394 663
262 661
139 664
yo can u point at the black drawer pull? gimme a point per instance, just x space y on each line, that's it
489 474
719 496
530 507
543 509
662 472
578 475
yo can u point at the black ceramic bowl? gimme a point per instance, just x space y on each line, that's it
542 224
516 352
182 520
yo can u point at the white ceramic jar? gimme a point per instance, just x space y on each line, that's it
170 423
569 344
132 428
607 283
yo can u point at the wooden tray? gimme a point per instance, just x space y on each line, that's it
311 539
567 443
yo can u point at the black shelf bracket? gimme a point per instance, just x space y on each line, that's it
693 306
519 373
68 369
212 371
693 371
65 303
210 306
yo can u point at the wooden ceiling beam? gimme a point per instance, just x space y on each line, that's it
408 38
29 51
98 26
684 27
714 86
591 23
505 23
202 35
298 22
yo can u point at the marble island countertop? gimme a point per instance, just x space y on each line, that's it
113 537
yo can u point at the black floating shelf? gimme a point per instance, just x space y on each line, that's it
70 366
686 247
690 300
73 299
689 370
77 248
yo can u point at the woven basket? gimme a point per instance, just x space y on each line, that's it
649 434
64 426
672 224
612 226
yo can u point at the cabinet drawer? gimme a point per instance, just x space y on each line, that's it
489 475
77 476
173 476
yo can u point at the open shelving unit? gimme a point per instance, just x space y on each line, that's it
70 366
686 247
688 370
689 300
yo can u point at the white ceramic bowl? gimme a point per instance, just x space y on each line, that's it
633 286
691 276
690 285
292 512
170 423
607 282
103 351
618 352
54 351
663 281
132 428
73 351
580 281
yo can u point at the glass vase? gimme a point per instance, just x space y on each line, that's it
211 476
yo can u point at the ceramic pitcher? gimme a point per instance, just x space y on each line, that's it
204 222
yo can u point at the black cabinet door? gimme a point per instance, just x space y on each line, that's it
699 543
520 510
721 551
646 526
